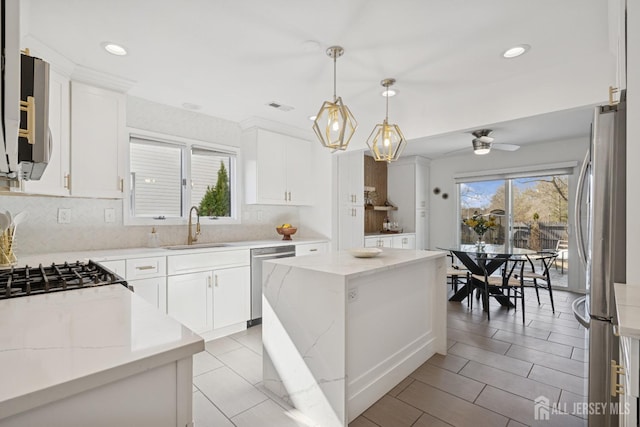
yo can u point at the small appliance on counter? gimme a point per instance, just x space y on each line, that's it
28 281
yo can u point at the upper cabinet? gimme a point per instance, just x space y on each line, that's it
350 177
55 179
276 168
98 141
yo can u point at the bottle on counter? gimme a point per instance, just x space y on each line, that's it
386 225
153 239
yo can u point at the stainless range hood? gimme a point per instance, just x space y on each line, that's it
25 142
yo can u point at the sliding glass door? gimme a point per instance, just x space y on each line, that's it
531 212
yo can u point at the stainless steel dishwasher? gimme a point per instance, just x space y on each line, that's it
257 257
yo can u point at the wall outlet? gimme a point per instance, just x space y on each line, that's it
64 216
352 295
109 215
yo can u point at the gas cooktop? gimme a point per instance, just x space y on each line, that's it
25 281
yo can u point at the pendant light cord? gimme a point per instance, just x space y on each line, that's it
334 76
386 115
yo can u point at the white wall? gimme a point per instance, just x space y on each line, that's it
443 221
633 138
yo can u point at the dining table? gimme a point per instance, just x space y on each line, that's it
481 258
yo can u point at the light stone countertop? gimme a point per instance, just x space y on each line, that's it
628 308
116 254
344 264
63 343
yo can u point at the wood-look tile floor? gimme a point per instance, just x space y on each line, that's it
493 372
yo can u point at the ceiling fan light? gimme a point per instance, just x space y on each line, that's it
480 147
487 139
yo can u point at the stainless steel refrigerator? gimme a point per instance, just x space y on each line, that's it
600 222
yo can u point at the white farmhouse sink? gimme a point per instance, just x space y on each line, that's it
198 246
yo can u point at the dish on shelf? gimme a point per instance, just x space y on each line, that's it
365 252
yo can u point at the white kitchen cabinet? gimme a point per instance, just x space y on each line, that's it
276 168
117 266
407 188
351 178
351 227
153 290
55 179
350 167
231 296
311 248
216 284
378 242
190 300
630 380
98 141
404 241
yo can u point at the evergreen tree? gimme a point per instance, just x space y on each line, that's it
207 203
222 195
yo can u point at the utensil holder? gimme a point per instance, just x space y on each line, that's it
7 255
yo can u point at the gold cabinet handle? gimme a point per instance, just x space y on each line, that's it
289 195
285 195
216 280
122 185
67 181
613 90
145 267
209 281
30 107
616 387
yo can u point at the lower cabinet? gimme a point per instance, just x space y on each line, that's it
210 300
190 300
407 241
231 299
152 290
378 242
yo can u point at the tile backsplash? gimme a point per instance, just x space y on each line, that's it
87 230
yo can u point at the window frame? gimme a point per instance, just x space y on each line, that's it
186 145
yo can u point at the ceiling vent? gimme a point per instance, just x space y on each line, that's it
279 106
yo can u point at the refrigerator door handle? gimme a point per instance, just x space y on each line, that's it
577 211
580 313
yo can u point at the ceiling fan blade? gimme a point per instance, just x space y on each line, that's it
505 147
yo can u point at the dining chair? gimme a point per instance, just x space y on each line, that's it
457 274
509 282
540 278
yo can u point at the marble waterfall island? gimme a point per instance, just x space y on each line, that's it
339 332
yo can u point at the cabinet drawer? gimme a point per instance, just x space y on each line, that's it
179 264
311 248
145 268
117 266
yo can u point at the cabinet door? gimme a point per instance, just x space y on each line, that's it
98 138
386 242
189 300
231 296
407 241
371 242
271 169
298 167
152 290
351 227
55 179
351 178
422 235
311 248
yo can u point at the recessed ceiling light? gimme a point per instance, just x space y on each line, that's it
190 106
114 49
312 118
516 51
389 92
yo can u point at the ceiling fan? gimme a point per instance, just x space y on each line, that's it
483 143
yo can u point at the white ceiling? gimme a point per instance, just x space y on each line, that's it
233 57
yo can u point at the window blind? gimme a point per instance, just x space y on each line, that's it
564 168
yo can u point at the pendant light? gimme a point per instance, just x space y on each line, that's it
334 124
386 141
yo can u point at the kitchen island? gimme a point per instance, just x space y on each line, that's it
98 356
339 332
